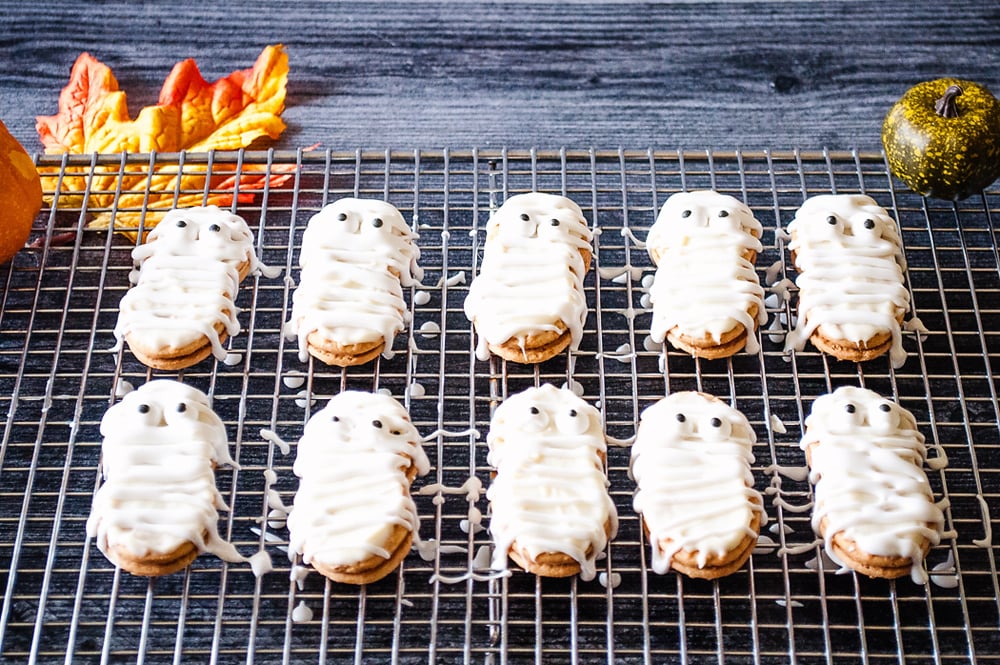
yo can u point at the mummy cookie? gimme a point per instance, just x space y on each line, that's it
852 300
353 518
691 462
551 512
181 306
157 509
706 296
873 505
357 255
527 303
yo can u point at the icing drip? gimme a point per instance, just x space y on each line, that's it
850 276
866 465
704 284
160 444
550 491
187 278
532 272
357 254
353 463
691 462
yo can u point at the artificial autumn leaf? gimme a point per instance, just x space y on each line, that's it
191 115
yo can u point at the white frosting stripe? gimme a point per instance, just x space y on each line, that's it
532 271
691 462
352 462
187 279
159 490
704 285
866 465
851 265
550 491
357 254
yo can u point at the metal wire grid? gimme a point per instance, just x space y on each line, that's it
64 602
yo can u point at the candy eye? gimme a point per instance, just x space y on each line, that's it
182 407
723 213
831 220
716 429
535 420
214 228
377 424
868 227
149 414
554 222
342 217
377 222
685 214
396 432
335 419
679 426
885 419
572 422
847 418
181 223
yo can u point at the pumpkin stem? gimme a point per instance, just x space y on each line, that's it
945 106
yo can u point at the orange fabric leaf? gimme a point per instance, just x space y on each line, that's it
191 115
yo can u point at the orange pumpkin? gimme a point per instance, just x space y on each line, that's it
20 195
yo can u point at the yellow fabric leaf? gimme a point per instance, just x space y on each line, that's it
191 115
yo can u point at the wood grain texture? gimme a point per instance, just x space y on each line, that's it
547 74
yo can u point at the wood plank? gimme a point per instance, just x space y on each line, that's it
693 75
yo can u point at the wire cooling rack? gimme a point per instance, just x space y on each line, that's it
63 602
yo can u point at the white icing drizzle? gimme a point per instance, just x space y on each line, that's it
532 272
550 491
352 462
421 298
186 280
160 444
776 425
691 462
850 276
272 437
453 280
867 458
703 284
357 254
302 613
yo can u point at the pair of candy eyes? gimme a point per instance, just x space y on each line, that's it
714 422
377 222
145 408
687 213
850 408
535 411
214 228
377 424
527 218
868 223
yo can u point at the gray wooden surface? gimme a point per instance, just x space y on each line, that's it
546 74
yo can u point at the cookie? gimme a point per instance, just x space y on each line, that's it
527 303
706 296
691 464
873 505
551 511
353 519
181 307
852 299
357 255
157 508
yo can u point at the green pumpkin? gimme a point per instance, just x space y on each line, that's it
942 138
